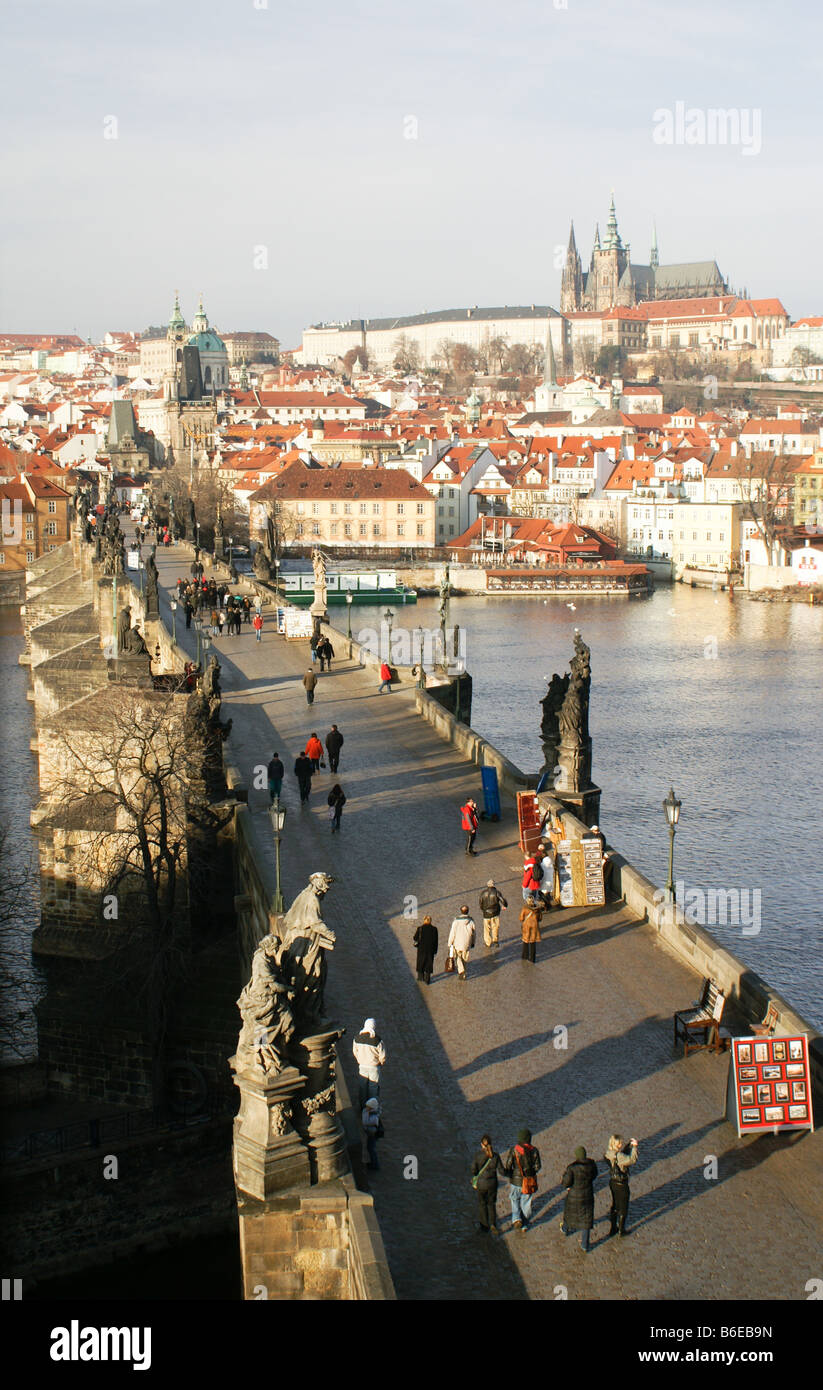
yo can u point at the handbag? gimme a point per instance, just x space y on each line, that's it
528 1184
479 1175
449 965
332 812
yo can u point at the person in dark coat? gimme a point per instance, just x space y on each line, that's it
334 742
276 773
325 652
578 1212
425 939
485 1167
303 773
336 800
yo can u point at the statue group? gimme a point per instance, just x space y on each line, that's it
283 1001
565 724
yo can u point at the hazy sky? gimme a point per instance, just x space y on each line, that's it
244 125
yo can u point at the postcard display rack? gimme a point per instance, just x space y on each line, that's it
580 873
770 1085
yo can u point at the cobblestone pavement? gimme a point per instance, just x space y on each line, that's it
485 1055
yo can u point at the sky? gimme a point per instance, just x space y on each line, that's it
299 163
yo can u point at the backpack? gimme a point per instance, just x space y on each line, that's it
532 872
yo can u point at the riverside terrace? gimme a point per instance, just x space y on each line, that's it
485 1056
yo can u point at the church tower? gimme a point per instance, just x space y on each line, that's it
571 285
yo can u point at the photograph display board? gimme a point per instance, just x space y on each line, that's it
592 854
565 881
298 623
580 873
770 1084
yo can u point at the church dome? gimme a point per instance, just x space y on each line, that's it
207 341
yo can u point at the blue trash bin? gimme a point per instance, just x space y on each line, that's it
491 793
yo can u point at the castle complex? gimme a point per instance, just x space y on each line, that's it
612 279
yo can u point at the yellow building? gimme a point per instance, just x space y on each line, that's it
363 509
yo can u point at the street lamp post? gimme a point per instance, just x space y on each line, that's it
389 616
672 808
349 602
173 607
278 817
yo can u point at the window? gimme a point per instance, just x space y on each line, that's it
347 528
29 557
376 528
452 492
347 508
29 533
29 518
421 530
674 340
401 528
693 339
50 529
52 505
375 508
722 536
315 528
708 535
363 528
315 508
301 507
451 511
333 509
333 528
3 556
299 528
451 530
420 509
364 507
401 507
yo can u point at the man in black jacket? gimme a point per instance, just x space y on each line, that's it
303 773
334 742
491 901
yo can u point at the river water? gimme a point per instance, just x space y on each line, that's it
719 698
19 912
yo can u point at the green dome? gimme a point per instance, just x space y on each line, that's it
207 342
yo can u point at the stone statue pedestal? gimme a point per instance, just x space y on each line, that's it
315 1113
131 670
268 1153
318 608
573 784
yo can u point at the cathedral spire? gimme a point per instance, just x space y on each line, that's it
597 236
612 234
549 367
654 259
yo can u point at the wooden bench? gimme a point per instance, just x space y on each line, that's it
767 1027
704 1018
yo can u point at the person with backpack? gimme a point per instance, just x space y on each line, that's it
373 1129
491 901
578 1212
469 823
486 1165
522 1164
532 877
620 1158
337 800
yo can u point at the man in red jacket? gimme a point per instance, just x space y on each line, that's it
469 823
385 676
314 751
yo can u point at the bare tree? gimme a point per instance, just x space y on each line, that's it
766 491
406 354
135 771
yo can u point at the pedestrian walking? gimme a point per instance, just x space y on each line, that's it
303 772
215 626
532 878
221 620
491 902
334 742
309 683
385 677
547 858
325 652
620 1158
486 1165
189 613
257 624
470 823
246 605
461 940
522 1164
314 751
578 1211
530 914
276 773
337 800
314 642
425 939
373 1129
370 1055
